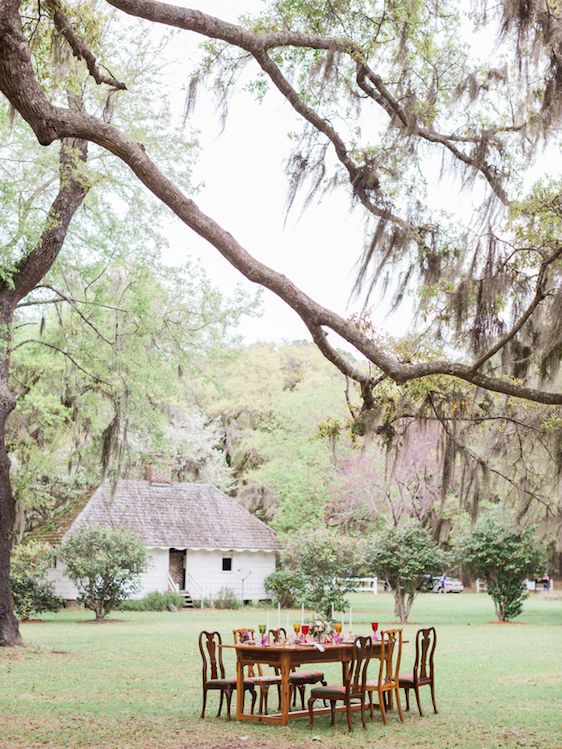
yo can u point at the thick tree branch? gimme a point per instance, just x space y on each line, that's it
72 191
320 338
319 123
258 44
384 98
18 83
79 48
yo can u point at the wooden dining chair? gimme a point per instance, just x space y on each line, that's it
423 673
255 673
353 687
214 677
277 635
386 686
297 679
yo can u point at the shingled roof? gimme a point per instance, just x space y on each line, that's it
192 516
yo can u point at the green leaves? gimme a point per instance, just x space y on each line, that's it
503 553
404 556
320 560
31 591
105 565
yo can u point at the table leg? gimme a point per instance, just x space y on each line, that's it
239 688
285 689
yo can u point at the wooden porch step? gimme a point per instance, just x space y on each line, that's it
187 599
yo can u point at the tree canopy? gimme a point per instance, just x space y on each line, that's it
426 91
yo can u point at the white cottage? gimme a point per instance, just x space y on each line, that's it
198 539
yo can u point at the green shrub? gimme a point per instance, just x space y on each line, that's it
323 560
404 556
285 587
154 601
105 565
226 599
502 553
31 591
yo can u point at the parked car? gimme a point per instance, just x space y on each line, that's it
452 585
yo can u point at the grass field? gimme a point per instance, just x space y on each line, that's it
134 682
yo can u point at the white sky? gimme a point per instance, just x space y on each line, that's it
244 189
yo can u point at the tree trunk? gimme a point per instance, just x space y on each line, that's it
9 628
28 273
100 611
400 608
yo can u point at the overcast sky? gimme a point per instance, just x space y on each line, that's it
244 189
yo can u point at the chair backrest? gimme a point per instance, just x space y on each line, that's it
391 654
278 635
426 640
211 655
241 635
356 675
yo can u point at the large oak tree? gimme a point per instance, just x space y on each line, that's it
495 288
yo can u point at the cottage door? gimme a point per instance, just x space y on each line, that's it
177 567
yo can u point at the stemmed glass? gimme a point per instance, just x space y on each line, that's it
304 630
297 628
374 627
261 628
338 628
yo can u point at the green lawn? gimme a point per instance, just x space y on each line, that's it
134 682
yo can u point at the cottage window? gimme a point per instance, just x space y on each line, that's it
227 564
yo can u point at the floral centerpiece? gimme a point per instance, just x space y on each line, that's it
321 629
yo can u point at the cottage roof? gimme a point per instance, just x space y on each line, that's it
182 515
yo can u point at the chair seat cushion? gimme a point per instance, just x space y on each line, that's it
328 691
307 676
404 679
226 683
265 679
220 683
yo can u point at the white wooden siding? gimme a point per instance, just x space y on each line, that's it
156 576
204 570
205 573
64 588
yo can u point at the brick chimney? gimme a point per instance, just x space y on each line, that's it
158 470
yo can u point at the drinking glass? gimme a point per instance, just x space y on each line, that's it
374 627
338 627
304 629
297 628
262 629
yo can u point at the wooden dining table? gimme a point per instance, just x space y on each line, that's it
285 657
